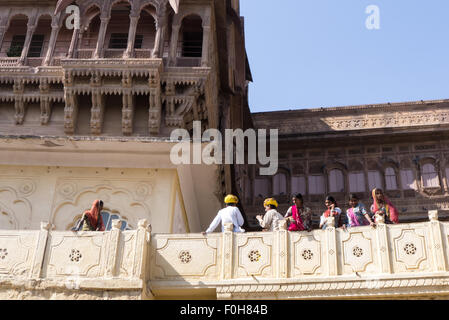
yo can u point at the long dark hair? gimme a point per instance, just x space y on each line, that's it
332 199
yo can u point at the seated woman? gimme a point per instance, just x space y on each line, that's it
332 211
91 219
300 217
382 206
271 219
357 214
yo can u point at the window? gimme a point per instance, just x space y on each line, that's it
192 45
336 181
107 221
261 188
390 179
374 180
316 185
16 46
118 41
408 180
138 42
430 176
280 184
37 42
357 182
299 185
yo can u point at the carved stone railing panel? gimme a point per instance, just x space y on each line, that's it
6 62
358 251
85 54
143 54
411 248
113 54
17 249
178 257
254 256
35 62
188 62
71 255
307 256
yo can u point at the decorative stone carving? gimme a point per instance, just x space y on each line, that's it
357 248
128 113
410 249
97 112
176 258
45 110
155 103
433 215
19 106
70 112
306 254
254 256
68 251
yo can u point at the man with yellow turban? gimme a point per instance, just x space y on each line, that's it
270 221
230 214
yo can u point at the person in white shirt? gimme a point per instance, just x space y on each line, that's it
270 221
230 214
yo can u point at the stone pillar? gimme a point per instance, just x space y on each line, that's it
436 241
383 249
26 47
205 54
73 43
141 258
331 246
154 121
159 40
282 250
39 253
99 51
2 34
97 112
227 252
113 246
51 44
174 44
70 112
134 19
127 113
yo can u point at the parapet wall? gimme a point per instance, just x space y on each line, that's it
69 265
390 262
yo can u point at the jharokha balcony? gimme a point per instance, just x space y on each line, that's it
390 261
127 54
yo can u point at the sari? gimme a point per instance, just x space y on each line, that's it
390 211
297 224
94 220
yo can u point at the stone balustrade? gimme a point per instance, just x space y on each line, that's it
389 261
84 265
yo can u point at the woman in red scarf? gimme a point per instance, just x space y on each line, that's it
92 218
300 217
382 206
332 211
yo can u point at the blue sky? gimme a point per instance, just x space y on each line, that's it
319 53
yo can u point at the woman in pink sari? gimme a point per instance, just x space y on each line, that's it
382 206
300 217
